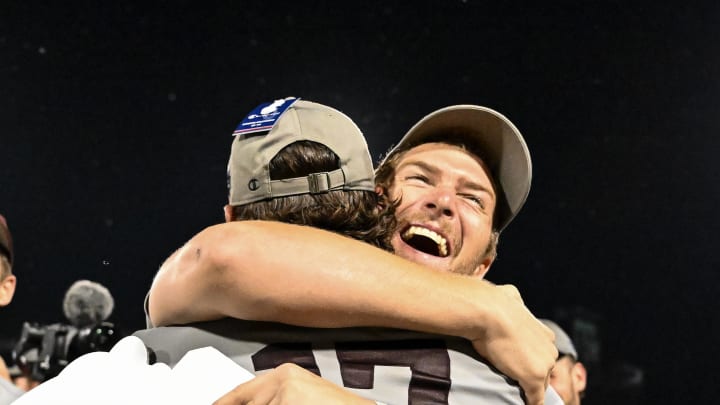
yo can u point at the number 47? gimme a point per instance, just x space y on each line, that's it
427 359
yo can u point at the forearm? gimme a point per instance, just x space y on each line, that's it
304 276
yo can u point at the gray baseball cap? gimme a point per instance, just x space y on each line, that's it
6 245
296 120
562 341
493 138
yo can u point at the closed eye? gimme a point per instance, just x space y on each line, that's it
418 177
475 200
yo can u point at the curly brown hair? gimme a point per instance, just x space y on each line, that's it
362 215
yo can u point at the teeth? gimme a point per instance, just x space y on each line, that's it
434 236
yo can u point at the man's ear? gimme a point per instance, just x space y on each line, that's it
381 201
7 290
228 213
483 267
579 376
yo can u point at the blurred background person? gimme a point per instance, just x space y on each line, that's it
569 377
8 391
7 278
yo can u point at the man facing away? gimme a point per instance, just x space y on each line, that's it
451 206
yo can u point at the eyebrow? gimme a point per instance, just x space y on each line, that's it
434 170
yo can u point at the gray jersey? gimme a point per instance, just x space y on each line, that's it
391 366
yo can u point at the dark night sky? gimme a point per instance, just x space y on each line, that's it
115 125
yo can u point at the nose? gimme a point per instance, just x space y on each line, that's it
441 202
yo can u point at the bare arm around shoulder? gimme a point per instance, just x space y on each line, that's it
271 271
259 270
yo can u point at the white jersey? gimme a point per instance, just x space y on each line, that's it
386 365
123 376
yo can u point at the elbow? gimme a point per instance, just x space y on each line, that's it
200 281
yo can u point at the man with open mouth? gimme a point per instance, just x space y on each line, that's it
457 178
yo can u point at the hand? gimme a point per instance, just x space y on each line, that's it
25 383
290 384
517 344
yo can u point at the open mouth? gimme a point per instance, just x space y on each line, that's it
426 241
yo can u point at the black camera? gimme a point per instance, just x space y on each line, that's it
44 350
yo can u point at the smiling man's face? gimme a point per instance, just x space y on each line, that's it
446 209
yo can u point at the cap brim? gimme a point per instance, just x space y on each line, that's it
494 139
